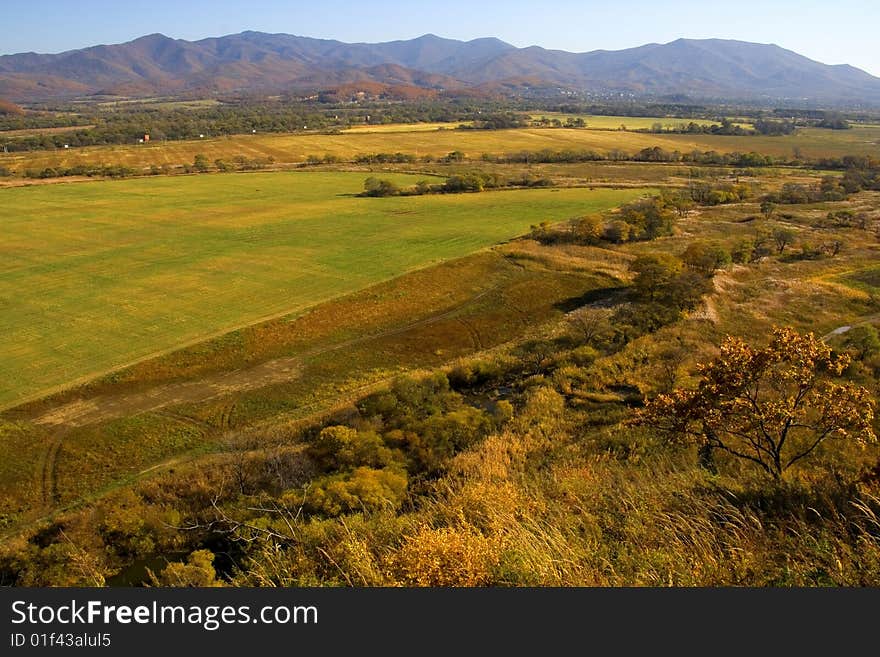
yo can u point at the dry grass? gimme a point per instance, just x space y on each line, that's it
295 148
31 132
403 127
587 518
605 122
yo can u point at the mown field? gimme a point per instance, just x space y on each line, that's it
30 132
404 127
605 122
98 275
296 148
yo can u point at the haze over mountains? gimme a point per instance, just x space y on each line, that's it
255 61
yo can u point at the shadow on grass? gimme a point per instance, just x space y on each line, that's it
828 499
603 297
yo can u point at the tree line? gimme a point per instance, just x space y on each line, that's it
472 181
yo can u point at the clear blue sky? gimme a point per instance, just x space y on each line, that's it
834 32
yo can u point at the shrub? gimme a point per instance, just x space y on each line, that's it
474 374
339 447
435 440
197 572
375 187
448 556
365 489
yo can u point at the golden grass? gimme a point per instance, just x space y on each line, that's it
296 148
604 122
31 132
404 127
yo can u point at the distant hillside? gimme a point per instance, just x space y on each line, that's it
254 61
7 108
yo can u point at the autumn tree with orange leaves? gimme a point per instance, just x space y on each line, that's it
772 406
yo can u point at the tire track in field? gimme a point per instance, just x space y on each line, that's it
188 420
80 416
475 335
226 416
49 469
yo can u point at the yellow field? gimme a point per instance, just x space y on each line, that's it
404 127
161 103
597 122
30 132
295 148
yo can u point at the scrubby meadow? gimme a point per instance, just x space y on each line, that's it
485 371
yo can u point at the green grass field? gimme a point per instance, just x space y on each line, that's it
98 275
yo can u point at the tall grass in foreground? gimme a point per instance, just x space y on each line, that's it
535 506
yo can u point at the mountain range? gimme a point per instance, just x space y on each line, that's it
260 62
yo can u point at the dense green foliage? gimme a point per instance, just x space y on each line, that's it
473 181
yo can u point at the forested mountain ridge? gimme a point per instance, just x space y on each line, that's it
249 61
